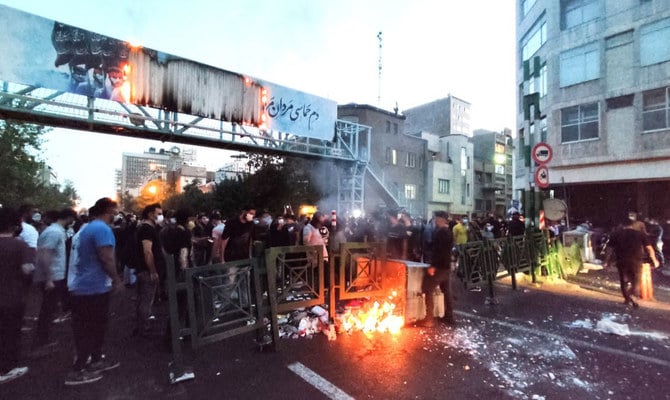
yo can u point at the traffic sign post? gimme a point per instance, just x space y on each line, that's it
542 153
542 177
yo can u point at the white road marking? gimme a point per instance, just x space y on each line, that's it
316 380
577 342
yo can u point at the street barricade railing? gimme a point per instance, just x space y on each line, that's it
480 261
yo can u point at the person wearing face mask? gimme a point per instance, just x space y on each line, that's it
237 236
94 278
50 275
150 263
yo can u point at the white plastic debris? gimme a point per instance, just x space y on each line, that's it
609 326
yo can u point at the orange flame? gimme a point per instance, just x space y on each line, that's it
374 317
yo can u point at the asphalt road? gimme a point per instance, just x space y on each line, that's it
536 343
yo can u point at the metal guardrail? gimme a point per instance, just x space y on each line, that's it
479 262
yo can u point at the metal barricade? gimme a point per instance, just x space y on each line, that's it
519 257
358 273
213 302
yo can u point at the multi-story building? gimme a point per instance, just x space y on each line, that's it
395 176
449 173
594 84
493 171
448 116
138 169
187 175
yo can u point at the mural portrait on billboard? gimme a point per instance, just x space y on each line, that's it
96 63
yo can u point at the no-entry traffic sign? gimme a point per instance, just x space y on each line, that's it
542 153
542 177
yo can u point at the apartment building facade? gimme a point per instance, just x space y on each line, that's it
593 80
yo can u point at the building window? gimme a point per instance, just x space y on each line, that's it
391 156
443 186
500 148
479 204
577 12
580 64
410 192
388 126
656 109
655 42
395 128
500 169
410 161
580 122
538 84
467 190
526 5
533 40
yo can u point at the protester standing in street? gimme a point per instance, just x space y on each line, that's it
94 279
439 272
50 275
15 269
150 263
629 246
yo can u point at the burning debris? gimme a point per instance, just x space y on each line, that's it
367 316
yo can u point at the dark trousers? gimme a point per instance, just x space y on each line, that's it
11 318
430 282
146 292
89 324
50 300
629 272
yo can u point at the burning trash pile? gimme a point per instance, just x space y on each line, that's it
367 316
372 316
306 323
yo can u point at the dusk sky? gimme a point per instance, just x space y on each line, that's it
326 48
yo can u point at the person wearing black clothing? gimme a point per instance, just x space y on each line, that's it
516 226
151 261
202 240
177 243
15 270
237 236
629 247
439 271
396 237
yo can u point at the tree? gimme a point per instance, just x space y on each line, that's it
19 145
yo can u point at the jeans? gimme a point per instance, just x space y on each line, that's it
89 324
50 300
441 278
11 318
146 291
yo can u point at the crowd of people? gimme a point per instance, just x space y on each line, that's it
74 262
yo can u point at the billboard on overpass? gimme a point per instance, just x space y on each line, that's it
44 53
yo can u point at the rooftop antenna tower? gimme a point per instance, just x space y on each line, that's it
379 69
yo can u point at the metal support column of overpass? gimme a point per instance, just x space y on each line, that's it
349 147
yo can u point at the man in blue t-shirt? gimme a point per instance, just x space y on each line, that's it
94 279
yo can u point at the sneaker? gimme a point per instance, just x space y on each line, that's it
102 365
64 317
13 374
81 377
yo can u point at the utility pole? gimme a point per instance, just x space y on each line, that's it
379 68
